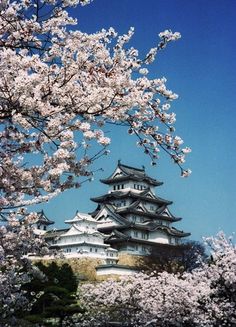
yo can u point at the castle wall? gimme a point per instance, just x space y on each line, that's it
159 237
83 268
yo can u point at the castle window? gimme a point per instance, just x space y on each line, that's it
135 233
136 247
96 250
144 235
122 186
152 208
172 240
91 249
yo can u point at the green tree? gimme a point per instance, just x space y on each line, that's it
173 259
58 294
67 278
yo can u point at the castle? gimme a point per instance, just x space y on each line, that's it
130 218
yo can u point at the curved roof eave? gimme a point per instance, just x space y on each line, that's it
131 177
124 194
147 214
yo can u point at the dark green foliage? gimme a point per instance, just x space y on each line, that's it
174 259
67 277
61 276
34 319
56 302
57 299
192 255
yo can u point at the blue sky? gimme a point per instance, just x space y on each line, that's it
201 68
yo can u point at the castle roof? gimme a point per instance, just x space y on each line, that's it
138 209
110 209
102 245
80 217
75 230
148 226
55 233
116 239
117 236
145 195
43 219
123 173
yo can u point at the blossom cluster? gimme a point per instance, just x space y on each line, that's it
60 88
18 239
204 297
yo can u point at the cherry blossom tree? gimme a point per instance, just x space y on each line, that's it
59 88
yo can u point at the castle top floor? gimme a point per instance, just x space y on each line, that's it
129 178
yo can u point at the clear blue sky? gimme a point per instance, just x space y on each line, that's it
201 68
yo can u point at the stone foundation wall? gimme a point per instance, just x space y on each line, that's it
84 268
129 259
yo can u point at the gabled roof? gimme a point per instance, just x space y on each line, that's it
43 219
164 213
138 209
76 231
112 214
124 173
80 217
117 235
145 195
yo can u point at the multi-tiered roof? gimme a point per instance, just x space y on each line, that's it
42 223
82 239
132 216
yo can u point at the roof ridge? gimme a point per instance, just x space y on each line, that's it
126 166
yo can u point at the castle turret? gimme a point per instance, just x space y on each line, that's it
42 223
82 239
